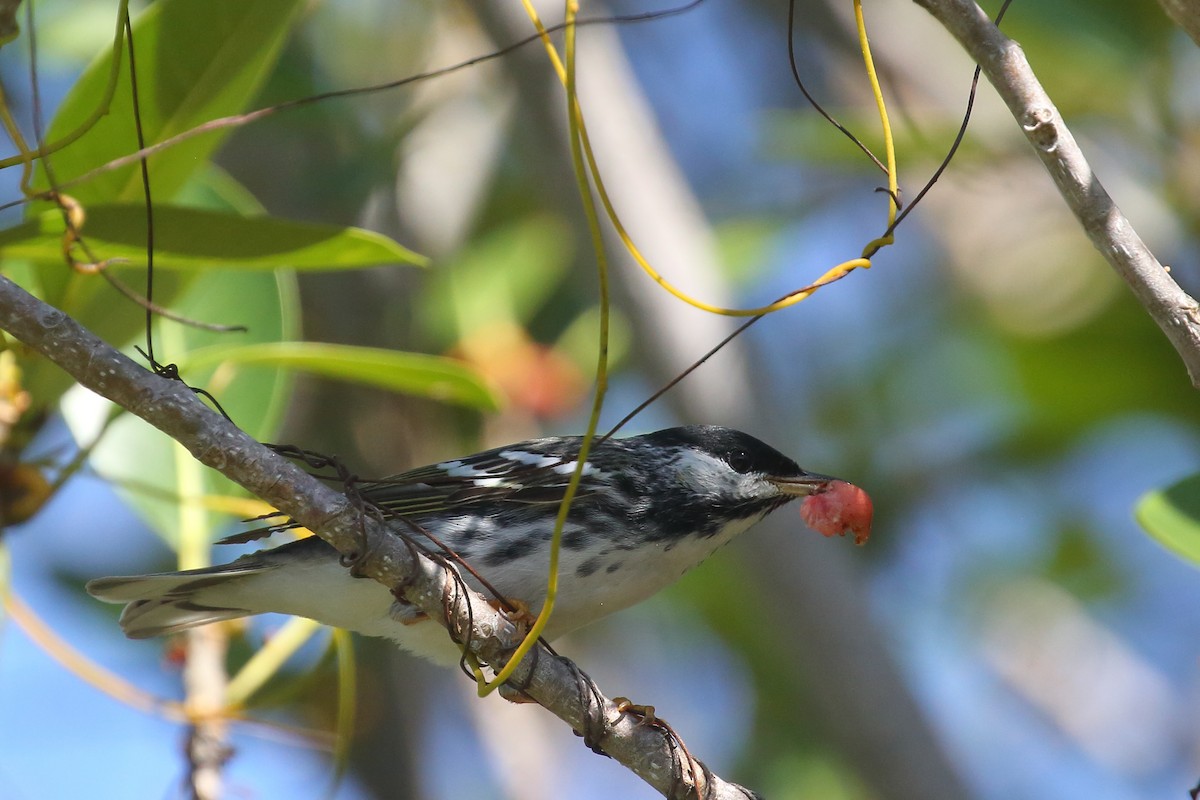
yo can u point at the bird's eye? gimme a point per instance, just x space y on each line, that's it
740 461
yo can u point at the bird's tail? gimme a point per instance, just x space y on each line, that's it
170 602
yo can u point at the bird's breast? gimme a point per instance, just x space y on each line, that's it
610 576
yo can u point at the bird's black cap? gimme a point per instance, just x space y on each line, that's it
741 451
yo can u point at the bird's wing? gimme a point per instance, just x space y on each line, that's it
516 474
485 478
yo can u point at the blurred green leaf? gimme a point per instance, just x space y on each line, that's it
506 276
804 135
214 188
579 341
1117 363
191 238
150 470
1172 516
411 373
347 691
1080 564
1114 38
744 246
797 776
195 62
111 317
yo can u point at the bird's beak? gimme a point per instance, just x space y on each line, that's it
802 485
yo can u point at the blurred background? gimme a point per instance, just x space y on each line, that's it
1009 631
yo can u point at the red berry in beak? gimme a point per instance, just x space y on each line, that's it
839 509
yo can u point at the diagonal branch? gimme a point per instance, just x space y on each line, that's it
1185 14
651 751
1004 64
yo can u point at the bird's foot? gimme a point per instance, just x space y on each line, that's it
514 695
406 613
645 714
516 611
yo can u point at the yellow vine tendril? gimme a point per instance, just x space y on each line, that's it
581 151
888 144
102 108
836 272
575 118
87 670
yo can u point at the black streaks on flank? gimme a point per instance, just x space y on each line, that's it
588 567
511 550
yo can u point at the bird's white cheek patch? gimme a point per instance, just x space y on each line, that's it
707 475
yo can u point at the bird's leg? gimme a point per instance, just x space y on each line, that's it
517 612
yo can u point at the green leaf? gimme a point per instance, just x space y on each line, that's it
195 62
1081 564
214 188
98 306
744 246
192 238
1172 516
1118 362
151 471
434 377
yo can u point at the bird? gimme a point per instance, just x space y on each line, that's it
648 509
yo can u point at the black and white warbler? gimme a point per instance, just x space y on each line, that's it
648 509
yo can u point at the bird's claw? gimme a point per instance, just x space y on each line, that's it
514 695
645 714
405 612
515 611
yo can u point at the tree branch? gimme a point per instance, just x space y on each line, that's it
1185 14
651 751
1004 64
